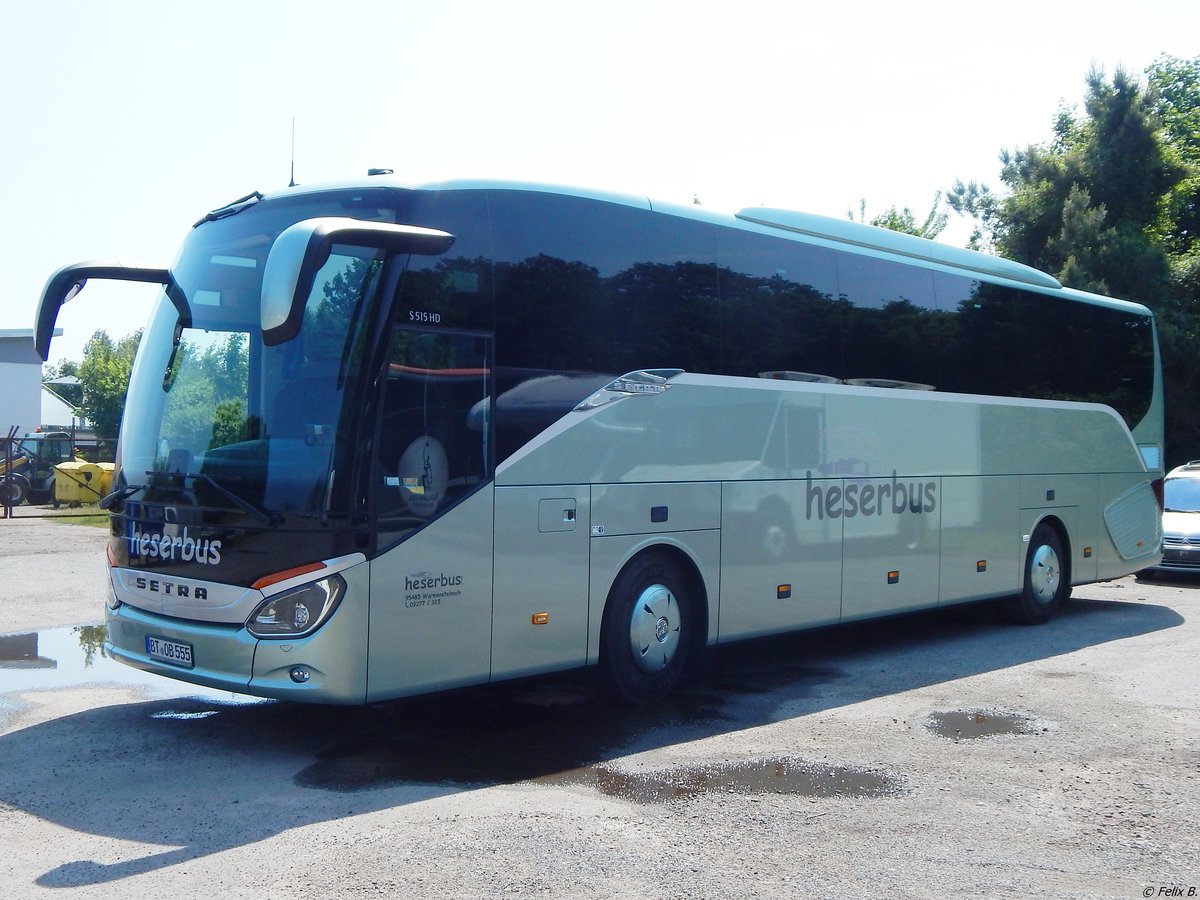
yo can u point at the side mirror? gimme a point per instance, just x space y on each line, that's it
68 281
301 250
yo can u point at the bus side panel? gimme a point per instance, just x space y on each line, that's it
1068 498
648 508
431 605
980 557
892 547
1090 528
1126 502
541 558
780 568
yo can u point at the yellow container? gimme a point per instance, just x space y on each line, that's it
106 478
68 480
78 482
90 491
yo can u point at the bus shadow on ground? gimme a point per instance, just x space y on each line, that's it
199 777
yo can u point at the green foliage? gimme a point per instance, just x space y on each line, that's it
1083 235
1111 204
1087 205
91 637
230 425
104 374
1176 87
208 379
349 281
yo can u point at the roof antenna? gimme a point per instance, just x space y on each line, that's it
292 183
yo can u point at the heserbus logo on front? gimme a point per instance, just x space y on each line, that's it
173 547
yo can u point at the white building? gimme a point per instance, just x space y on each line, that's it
20 381
57 413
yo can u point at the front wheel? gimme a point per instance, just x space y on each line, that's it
12 490
647 629
1047 582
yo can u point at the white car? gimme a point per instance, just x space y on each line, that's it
1181 520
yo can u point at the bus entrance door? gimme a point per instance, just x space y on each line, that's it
431 584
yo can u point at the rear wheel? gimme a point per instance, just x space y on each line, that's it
1047 580
13 490
647 629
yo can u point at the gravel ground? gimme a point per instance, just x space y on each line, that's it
51 570
832 764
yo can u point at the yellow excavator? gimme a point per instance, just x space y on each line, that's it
27 466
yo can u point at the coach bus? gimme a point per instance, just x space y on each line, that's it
385 439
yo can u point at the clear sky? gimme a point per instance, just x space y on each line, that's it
124 122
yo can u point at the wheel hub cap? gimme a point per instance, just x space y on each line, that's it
1045 574
654 629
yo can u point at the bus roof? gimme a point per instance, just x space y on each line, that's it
875 238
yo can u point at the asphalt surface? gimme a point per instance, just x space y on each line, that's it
932 755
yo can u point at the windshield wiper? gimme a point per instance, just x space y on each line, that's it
120 494
231 209
241 502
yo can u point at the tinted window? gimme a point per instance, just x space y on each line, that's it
583 285
455 289
1024 344
893 327
587 291
779 312
579 291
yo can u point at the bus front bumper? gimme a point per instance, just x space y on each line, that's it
323 667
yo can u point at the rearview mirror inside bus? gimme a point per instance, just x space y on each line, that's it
302 249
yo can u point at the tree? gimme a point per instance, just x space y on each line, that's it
1176 86
104 373
1089 205
1111 204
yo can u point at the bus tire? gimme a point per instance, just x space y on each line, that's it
1047 583
13 490
646 632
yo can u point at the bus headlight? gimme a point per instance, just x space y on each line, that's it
297 612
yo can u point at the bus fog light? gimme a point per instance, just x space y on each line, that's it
297 612
300 674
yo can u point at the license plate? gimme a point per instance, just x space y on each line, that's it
176 653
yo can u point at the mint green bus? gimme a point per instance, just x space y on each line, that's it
384 439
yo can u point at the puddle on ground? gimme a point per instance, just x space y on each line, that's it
378 764
58 658
779 775
971 724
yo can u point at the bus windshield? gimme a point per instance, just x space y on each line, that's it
215 413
